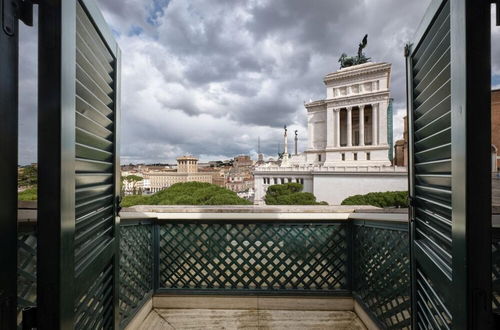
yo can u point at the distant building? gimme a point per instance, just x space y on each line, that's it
239 178
242 161
218 174
187 171
401 147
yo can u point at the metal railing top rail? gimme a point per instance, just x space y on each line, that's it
248 208
263 213
27 213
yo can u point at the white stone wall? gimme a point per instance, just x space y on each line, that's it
261 186
318 120
335 187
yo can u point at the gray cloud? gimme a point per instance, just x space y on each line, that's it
209 77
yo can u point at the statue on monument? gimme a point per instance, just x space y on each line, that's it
347 61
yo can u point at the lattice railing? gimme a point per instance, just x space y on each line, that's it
94 309
245 257
136 268
495 269
258 257
26 270
381 272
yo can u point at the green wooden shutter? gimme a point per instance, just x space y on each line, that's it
78 164
448 97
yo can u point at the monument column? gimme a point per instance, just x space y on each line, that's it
374 124
330 127
361 125
349 126
382 119
310 133
337 127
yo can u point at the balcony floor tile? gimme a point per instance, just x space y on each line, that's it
250 319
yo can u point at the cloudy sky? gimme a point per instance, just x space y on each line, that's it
208 77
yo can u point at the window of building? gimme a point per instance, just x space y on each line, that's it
343 156
282 180
355 156
367 156
275 180
319 158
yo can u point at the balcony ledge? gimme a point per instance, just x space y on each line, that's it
252 312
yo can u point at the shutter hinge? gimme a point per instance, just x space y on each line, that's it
29 318
411 204
14 10
118 207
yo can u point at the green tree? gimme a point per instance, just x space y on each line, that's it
188 193
132 179
30 194
28 176
289 194
379 199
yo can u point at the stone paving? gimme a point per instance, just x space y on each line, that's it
170 319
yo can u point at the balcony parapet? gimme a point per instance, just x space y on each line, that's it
263 213
332 169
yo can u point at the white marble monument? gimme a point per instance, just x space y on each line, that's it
348 150
349 126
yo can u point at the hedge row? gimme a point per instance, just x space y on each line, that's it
188 193
379 199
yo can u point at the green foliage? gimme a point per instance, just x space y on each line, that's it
289 194
188 193
132 200
28 176
132 178
379 199
30 194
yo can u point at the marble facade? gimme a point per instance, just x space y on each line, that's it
348 149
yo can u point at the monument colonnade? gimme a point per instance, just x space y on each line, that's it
333 121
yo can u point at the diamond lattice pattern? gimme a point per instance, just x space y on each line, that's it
136 268
382 274
250 256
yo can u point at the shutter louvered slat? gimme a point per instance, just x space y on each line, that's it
431 113
88 96
94 163
92 71
86 80
95 47
92 126
83 47
441 46
87 138
87 218
90 29
432 102
431 33
89 111
84 180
